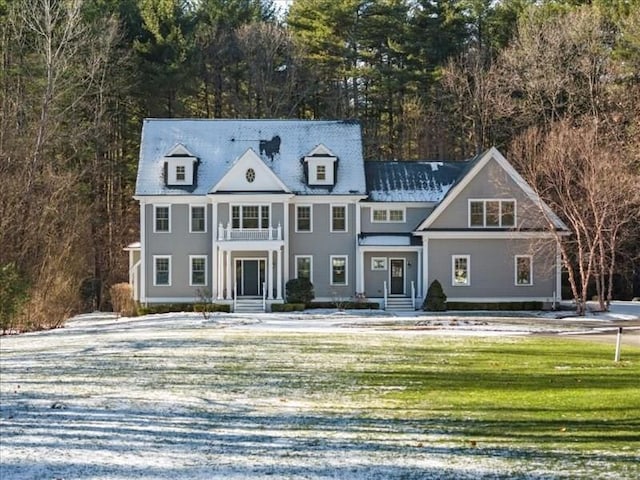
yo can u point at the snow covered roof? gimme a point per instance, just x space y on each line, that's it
389 240
412 181
281 144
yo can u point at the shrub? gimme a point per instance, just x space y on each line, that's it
299 290
121 299
345 305
436 300
182 307
13 293
495 306
287 307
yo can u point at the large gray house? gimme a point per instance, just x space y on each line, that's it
236 208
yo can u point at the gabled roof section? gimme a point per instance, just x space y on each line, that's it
179 150
474 167
411 181
320 151
237 178
280 144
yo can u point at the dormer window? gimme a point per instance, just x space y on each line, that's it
179 167
321 167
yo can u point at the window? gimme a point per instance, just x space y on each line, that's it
378 263
523 270
250 175
338 218
321 172
162 218
162 270
387 215
181 173
303 218
198 219
197 270
338 270
304 267
249 216
492 213
460 270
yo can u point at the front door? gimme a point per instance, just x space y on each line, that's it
397 276
250 274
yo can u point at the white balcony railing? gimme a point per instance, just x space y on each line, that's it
248 234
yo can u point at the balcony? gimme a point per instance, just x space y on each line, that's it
228 234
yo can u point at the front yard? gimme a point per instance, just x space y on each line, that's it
172 397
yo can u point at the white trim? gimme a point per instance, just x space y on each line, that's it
405 205
143 260
454 257
155 220
155 278
451 298
492 153
387 211
247 204
328 199
320 150
481 235
382 268
310 207
244 259
249 198
206 272
191 207
346 271
484 212
173 199
389 248
251 156
515 271
310 257
404 275
346 217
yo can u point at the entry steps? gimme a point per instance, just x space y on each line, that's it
399 304
249 305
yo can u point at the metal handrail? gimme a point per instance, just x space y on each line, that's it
385 294
264 296
413 294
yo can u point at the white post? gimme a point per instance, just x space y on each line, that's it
413 294
385 294
419 273
227 294
228 230
264 296
270 275
279 232
279 275
618 341
425 266
220 285
220 232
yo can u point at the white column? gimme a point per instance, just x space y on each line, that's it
215 264
285 237
143 254
558 273
220 282
360 286
419 275
425 266
279 275
270 275
228 295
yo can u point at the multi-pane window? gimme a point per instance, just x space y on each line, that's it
321 172
523 270
460 270
303 218
198 219
378 263
387 215
161 218
250 216
338 270
181 172
492 213
198 270
162 270
303 267
338 218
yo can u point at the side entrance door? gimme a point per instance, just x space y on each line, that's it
397 276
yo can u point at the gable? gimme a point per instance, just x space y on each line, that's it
249 174
491 178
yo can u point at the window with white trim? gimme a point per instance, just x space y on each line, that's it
338 218
338 270
460 267
378 263
304 267
523 270
321 172
162 270
197 270
198 219
380 215
162 218
249 216
492 213
181 173
303 218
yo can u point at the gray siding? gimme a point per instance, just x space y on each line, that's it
414 216
492 268
179 243
374 279
321 244
491 182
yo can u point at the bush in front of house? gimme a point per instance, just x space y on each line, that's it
348 305
287 307
122 299
436 300
299 290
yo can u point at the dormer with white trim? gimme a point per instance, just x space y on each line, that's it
321 167
180 167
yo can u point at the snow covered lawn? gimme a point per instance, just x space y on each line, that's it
180 397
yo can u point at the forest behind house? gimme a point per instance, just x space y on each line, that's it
555 85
